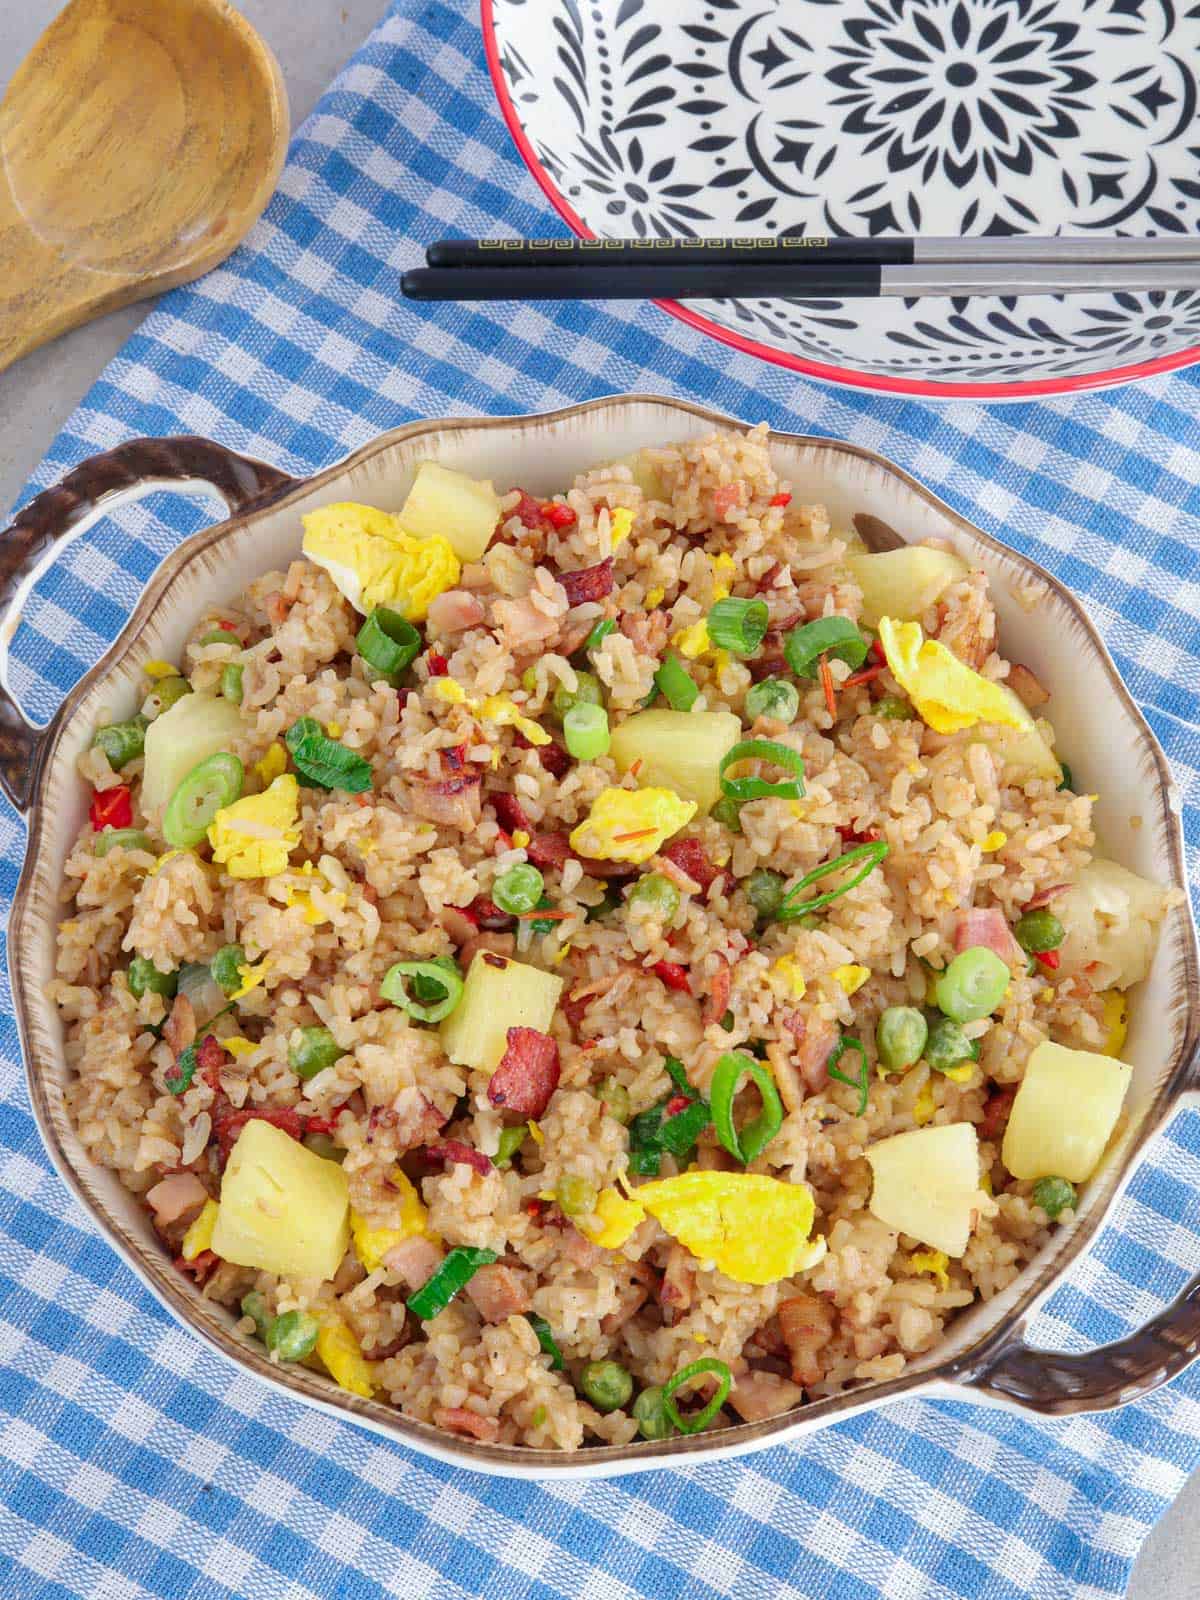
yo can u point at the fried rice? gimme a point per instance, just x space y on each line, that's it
384 876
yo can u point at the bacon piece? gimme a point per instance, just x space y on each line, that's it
647 631
176 1196
414 1260
812 1048
606 869
485 913
201 1266
460 927
767 581
548 849
716 1003
588 583
393 1347
770 666
463 1155
527 1074
996 1111
806 1325
673 975
727 498
524 628
984 927
1044 896
678 1283
211 1056
498 1293
229 1126
1026 687
690 856
179 1030
452 802
510 813
455 611
552 756
758 1395
461 1419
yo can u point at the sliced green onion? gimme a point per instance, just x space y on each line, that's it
219 636
677 1073
211 784
576 1195
511 1140
231 682
519 889
756 1135
119 839
738 625
677 685
454 1273
588 691
303 728
697 1369
727 812
600 632
430 991
1068 778
773 697
585 731
447 978
679 1133
546 1339
791 909
862 1082
754 788
164 695
973 985
178 1077
315 1050
323 763
388 642
828 636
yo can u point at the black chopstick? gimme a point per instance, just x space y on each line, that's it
812 250
706 280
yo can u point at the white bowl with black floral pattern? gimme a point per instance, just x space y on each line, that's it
659 118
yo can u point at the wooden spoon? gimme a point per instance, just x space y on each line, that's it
140 140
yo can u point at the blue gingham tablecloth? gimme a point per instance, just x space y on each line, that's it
133 1461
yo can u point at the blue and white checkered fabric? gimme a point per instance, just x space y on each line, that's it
133 1462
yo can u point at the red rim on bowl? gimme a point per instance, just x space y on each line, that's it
847 376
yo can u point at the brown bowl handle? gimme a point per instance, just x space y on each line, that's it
187 464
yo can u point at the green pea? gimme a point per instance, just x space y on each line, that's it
773 697
893 709
144 976
606 1384
1055 1195
589 691
313 1051
947 1045
614 1097
254 1305
576 1196
224 967
164 695
727 812
120 839
1038 931
211 784
651 1413
764 890
519 889
658 894
973 985
293 1335
900 1036
122 741
219 636
231 682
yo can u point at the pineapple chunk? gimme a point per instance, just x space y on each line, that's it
679 750
927 1184
498 994
1024 750
1064 1113
283 1208
903 583
463 510
1111 916
190 731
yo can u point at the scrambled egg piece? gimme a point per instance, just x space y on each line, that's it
961 1073
273 764
500 709
254 836
372 1244
375 563
851 978
239 1047
723 568
313 914
934 1262
618 1218
924 1106
694 641
948 695
631 825
996 840
251 977
754 1229
162 669
787 969
654 598
343 1358
621 523
1116 1020
199 1236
